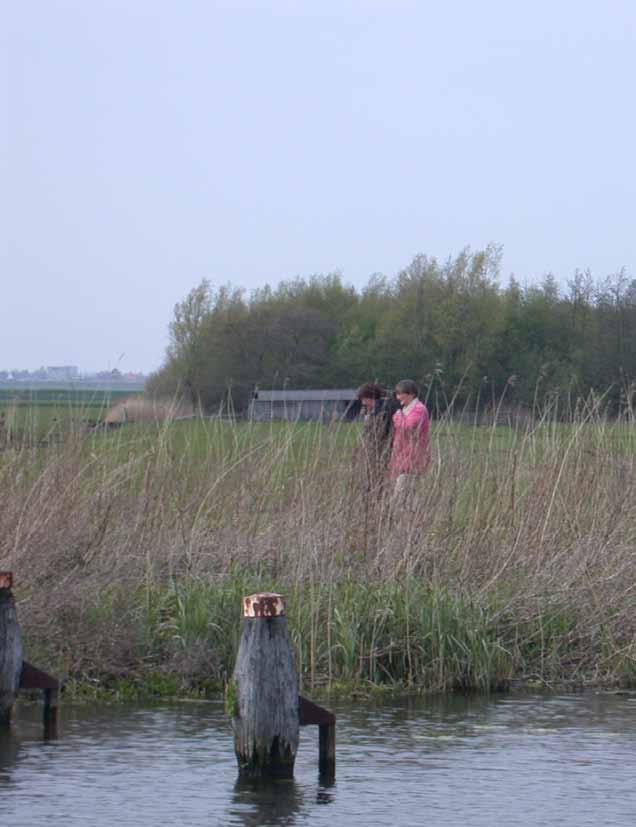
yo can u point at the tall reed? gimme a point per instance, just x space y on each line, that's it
515 558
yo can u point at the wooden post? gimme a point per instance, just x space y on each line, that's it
262 697
327 751
49 716
10 649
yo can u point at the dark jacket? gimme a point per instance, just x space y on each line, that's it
378 431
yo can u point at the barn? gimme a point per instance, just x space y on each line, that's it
320 405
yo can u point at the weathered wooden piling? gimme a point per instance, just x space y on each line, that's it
263 694
16 673
10 649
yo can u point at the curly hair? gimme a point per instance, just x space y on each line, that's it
371 390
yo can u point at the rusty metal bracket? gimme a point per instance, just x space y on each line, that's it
33 678
310 713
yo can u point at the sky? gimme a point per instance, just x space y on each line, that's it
149 144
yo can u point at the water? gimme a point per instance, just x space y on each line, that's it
532 760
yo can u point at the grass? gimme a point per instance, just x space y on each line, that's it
515 561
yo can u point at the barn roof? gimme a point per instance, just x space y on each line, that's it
322 395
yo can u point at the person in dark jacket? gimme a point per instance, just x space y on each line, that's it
378 407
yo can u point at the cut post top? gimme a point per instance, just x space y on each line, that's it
6 579
263 604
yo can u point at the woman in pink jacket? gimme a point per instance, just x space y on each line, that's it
410 453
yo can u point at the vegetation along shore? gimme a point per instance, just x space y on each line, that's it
131 550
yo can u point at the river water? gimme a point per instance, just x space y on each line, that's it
517 760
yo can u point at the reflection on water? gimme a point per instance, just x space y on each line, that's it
259 802
534 760
9 747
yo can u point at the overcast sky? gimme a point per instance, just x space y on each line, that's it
153 143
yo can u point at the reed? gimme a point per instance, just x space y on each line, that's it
515 560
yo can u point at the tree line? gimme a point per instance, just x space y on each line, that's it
450 325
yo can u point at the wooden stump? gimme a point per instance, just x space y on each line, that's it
263 695
10 649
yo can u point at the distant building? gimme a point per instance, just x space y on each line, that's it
322 405
65 373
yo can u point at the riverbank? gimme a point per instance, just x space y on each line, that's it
514 563
350 639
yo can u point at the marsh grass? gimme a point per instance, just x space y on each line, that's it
514 560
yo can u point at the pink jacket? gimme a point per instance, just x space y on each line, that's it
410 453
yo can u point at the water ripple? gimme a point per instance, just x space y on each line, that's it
535 760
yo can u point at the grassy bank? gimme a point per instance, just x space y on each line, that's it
515 561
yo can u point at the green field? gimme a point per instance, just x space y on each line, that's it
299 446
46 413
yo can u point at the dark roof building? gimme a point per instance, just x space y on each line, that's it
322 405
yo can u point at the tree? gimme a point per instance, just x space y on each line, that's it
448 325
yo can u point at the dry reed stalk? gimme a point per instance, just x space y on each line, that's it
536 524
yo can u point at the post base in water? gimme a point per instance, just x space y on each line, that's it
277 762
254 771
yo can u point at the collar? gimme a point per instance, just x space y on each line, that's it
408 408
